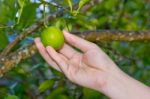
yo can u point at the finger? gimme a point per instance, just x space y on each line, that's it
63 57
44 54
56 57
77 42
68 51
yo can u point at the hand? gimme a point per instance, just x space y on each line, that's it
90 68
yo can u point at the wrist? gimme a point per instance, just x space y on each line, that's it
116 85
121 86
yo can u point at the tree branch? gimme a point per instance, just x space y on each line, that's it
115 35
8 62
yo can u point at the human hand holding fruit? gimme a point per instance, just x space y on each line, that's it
52 36
92 68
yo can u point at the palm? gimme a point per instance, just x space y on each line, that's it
81 68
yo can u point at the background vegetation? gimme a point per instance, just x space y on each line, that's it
34 79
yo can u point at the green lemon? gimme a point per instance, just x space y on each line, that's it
52 36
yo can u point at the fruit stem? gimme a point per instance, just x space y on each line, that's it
44 15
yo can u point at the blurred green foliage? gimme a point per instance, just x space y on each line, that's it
34 79
11 97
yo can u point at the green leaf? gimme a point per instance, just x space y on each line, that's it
60 23
21 4
3 91
110 4
56 92
63 24
91 94
46 85
7 11
3 40
11 97
28 15
81 4
61 97
70 5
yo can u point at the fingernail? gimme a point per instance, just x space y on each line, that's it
48 47
64 30
37 39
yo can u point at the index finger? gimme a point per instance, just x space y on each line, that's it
44 54
78 42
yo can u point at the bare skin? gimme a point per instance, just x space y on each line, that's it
92 68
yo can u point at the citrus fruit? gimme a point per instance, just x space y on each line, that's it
52 36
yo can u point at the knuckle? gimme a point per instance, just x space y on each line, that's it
93 45
39 47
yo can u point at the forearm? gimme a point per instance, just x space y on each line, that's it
121 86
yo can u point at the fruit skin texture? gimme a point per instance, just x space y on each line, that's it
52 36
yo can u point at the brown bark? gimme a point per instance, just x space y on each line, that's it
115 35
8 62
